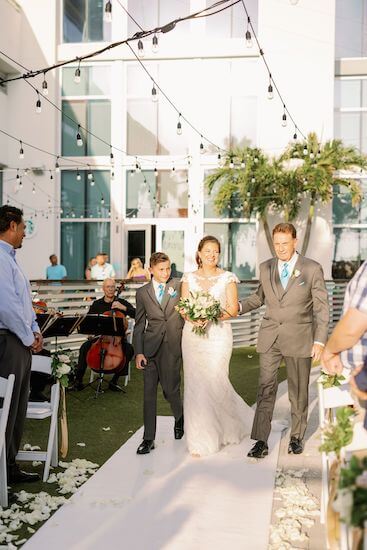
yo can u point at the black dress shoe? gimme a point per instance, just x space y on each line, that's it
259 450
179 428
115 387
145 447
16 475
295 446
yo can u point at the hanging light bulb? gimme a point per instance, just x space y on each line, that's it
156 172
295 135
179 126
92 182
33 190
112 175
57 166
154 93
90 175
77 74
231 163
21 151
319 155
102 200
284 117
305 150
243 163
173 169
108 12
253 179
219 157
312 156
248 35
140 48
201 146
17 177
20 183
78 176
51 176
79 140
44 85
112 160
38 104
137 166
155 46
270 89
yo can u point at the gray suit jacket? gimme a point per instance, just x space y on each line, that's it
298 316
155 323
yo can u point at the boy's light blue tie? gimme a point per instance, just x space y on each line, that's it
284 276
160 293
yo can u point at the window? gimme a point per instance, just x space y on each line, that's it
232 22
83 21
85 198
81 241
238 246
350 28
153 13
351 111
225 90
164 196
350 235
93 112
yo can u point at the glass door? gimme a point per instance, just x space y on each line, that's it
139 243
171 238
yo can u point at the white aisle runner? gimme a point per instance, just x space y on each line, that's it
168 500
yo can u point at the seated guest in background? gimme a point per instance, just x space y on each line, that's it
19 334
100 306
347 345
102 270
55 271
88 269
137 271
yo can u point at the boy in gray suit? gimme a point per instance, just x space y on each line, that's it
294 328
157 344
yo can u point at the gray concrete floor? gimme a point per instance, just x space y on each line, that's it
310 458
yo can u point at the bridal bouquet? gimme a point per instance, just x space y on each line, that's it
200 306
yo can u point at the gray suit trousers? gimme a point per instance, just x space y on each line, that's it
16 359
298 375
164 368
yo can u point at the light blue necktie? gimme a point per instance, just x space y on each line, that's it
284 276
160 293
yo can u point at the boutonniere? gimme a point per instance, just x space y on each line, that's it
172 292
296 273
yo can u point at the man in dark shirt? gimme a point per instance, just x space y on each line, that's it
99 307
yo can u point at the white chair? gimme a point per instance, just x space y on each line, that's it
329 400
40 411
6 392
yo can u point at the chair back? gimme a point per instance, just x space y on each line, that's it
41 363
6 392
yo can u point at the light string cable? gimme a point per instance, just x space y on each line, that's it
271 79
139 35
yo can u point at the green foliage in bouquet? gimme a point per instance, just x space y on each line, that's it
62 367
338 434
331 380
354 478
200 306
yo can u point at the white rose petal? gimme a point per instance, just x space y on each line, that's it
106 429
81 444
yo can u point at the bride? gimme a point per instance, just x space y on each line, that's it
215 415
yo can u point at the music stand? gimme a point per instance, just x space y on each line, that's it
52 326
106 326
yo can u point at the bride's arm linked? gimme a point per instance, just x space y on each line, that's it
231 309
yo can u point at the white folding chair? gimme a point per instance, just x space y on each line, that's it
40 411
329 400
6 392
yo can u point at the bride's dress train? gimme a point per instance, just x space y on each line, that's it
215 415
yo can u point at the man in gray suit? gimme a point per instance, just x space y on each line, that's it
157 344
294 328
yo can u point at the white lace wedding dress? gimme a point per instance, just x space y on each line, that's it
215 415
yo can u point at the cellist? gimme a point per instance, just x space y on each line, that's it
99 307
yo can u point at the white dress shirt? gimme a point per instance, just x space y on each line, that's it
291 264
156 285
102 272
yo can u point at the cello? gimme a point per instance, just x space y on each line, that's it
106 354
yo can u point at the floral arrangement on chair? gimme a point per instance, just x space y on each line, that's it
62 367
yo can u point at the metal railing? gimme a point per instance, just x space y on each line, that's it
75 298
